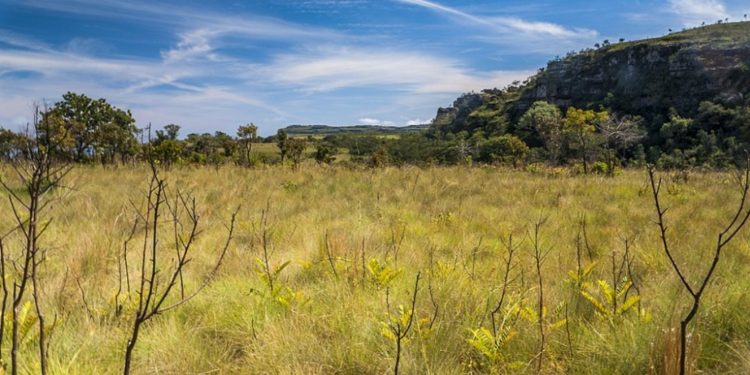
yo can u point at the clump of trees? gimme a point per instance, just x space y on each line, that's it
479 128
598 137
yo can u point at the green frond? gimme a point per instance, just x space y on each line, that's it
628 304
607 291
595 302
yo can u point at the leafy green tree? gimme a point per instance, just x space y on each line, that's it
89 129
325 154
12 144
714 117
225 145
581 125
282 141
169 133
296 149
209 148
507 149
677 131
81 116
546 122
116 137
166 148
247 134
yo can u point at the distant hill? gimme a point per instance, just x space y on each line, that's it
318 130
647 78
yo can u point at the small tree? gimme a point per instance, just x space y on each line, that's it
159 280
282 142
505 149
398 326
296 149
166 148
39 172
620 133
94 129
581 125
247 134
325 154
738 221
546 121
379 158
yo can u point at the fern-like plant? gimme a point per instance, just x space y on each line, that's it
605 298
381 274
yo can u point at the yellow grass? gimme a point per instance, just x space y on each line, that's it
332 314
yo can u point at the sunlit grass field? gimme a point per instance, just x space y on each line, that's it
356 240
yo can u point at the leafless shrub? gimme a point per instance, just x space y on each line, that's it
724 237
157 283
399 326
39 173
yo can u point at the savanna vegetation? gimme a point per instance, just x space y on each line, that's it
518 272
587 239
154 265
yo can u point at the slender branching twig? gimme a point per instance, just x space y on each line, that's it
401 330
151 293
738 221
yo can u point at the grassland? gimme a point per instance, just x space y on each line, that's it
345 231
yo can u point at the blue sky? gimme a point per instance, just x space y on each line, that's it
214 65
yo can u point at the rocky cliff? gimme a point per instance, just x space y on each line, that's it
645 77
679 71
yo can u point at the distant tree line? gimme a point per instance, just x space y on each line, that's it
477 129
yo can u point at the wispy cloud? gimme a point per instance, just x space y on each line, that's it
509 24
404 71
694 12
140 83
127 82
205 74
187 19
447 10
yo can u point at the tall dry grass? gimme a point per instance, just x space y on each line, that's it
328 310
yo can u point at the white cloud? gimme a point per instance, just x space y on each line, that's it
417 83
192 44
187 18
445 9
520 28
128 83
373 121
417 122
544 28
197 83
694 12
406 71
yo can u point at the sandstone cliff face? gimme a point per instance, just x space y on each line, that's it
644 78
650 76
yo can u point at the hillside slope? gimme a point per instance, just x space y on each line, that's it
321 130
645 78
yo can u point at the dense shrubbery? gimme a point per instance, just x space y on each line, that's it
715 135
477 129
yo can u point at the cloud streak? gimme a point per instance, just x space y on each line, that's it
508 24
212 69
404 71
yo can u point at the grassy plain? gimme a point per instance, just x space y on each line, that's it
329 312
